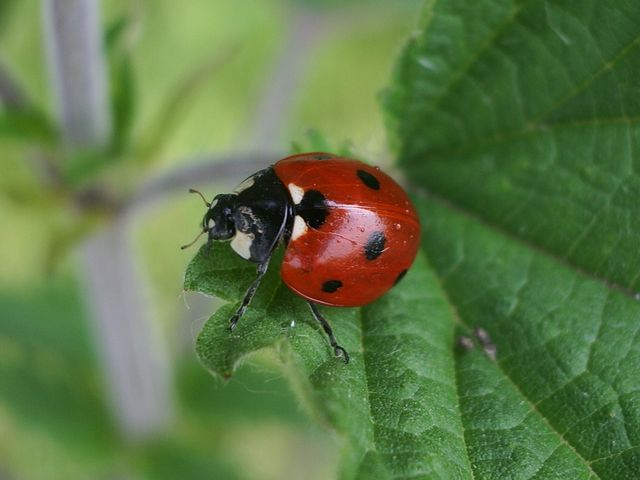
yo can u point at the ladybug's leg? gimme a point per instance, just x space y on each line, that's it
337 349
251 291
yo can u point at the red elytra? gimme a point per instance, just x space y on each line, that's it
367 241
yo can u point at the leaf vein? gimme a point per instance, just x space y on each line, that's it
606 66
485 45
454 314
517 388
566 262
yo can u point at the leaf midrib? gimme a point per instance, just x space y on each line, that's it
365 369
485 45
453 313
458 319
535 121
534 126
563 261
458 431
506 136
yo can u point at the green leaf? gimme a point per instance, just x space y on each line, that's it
6 7
119 40
525 140
393 401
562 397
28 125
517 122
83 166
47 369
527 114
122 101
316 141
116 31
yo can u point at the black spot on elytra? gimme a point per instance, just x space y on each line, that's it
400 276
313 208
375 245
368 179
330 286
323 157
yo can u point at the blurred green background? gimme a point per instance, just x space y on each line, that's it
281 68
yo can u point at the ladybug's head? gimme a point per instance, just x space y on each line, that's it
218 221
254 216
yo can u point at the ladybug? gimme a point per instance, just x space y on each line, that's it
350 231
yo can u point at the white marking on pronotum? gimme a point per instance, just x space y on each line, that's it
244 185
211 223
241 244
296 193
247 212
299 227
214 202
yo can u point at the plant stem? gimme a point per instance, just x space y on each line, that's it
203 169
135 362
77 70
137 370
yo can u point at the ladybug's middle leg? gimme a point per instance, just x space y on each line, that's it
337 349
248 296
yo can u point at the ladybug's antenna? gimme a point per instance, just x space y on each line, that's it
193 190
194 240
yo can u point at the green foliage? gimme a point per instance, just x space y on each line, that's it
393 348
46 366
316 141
118 48
26 124
53 401
508 112
520 120
348 3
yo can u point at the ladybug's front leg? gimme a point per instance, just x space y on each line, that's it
337 349
251 291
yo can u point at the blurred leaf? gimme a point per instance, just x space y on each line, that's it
118 42
82 166
122 102
47 370
316 141
52 401
170 460
526 140
28 125
341 4
5 13
176 102
115 31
